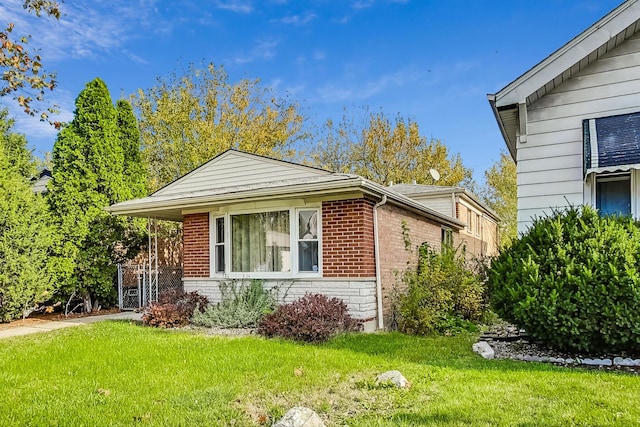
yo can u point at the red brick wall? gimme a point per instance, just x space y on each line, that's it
196 245
347 238
393 254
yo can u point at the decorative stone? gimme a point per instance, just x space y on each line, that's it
528 358
300 417
569 361
636 362
623 362
484 349
393 377
597 362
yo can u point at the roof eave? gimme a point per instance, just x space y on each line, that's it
171 209
505 135
569 54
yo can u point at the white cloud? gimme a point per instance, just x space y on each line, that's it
84 29
298 19
41 134
362 4
264 49
353 90
238 6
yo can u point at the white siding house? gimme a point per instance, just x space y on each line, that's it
572 122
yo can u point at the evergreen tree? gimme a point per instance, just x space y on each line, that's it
88 175
129 135
26 234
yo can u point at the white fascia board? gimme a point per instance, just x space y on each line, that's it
571 53
184 201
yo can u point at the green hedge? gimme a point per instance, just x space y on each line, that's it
573 282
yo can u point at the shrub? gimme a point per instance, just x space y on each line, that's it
573 282
441 295
312 318
174 309
240 306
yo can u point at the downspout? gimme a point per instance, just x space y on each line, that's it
376 247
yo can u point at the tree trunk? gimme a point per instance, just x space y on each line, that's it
88 306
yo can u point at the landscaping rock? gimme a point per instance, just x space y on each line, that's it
300 417
484 349
619 361
393 377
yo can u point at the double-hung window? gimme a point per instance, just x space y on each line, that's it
308 240
611 162
283 242
613 194
218 245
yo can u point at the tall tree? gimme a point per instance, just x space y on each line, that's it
501 195
88 175
387 151
26 234
129 136
22 73
15 147
186 120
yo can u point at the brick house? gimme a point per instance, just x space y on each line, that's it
308 230
481 232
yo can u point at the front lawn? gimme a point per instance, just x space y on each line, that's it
116 373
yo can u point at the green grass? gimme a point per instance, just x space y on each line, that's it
116 373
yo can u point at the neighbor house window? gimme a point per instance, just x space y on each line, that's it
261 242
469 222
447 236
613 194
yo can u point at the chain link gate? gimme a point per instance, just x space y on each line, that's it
138 285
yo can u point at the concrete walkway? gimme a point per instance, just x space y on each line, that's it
52 325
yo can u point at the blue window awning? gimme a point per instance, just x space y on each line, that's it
611 144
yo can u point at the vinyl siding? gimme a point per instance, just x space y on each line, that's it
234 169
442 204
550 161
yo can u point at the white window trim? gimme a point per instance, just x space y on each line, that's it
213 229
293 242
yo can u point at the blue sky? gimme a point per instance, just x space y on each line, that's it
431 61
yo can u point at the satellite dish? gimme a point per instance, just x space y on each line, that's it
434 174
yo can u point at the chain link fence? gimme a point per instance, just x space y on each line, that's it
138 286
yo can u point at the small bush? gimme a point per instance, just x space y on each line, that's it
240 306
174 309
312 318
573 282
442 294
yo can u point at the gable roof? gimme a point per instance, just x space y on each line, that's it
584 49
427 191
235 168
278 179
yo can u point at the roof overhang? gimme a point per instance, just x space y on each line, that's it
563 64
173 207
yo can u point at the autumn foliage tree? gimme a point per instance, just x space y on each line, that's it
387 150
90 173
22 73
501 195
187 120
